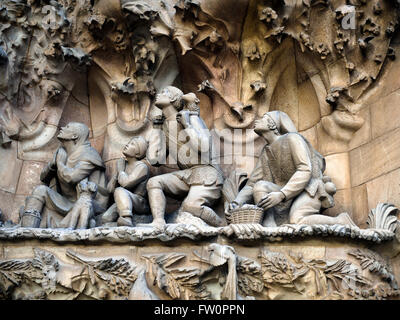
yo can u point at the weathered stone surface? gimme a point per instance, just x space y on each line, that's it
360 208
311 136
385 114
105 63
385 187
378 157
338 168
363 135
29 177
328 145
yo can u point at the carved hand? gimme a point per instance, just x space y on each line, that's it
182 117
53 163
233 205
61 156
271 200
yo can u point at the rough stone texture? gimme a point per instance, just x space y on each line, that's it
29 177
247 57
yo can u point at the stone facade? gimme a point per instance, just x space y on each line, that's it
329 65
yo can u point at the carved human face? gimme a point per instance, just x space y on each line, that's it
163 99
68 133
134 149
130 150
261 125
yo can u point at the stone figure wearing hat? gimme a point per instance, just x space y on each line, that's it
288 180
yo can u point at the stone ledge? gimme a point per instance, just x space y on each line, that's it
192 232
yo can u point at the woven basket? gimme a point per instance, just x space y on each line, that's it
246 214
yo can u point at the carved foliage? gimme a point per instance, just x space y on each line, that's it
249 277
117 274
40 270
330 278
383 217
375 264
177 282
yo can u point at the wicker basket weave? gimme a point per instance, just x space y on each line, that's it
246 214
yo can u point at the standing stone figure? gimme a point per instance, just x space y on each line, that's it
288 178
199 182
132 176
73 162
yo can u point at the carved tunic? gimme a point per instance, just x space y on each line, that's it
291 163
84 162
193 173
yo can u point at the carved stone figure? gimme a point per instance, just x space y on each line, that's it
132 176
308 74
73 162
82 213
199 181
288 178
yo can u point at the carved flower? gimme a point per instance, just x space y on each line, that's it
268 15
258 86
390 29
391 53
251 52
340 42
377 8
370 27
323 50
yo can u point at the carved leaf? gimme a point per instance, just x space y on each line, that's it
341 274
178 283
277 268
118 274
40 270
383 217
371 261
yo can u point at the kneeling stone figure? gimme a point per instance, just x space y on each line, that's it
198 182
288 179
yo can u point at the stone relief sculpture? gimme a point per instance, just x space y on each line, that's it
132 175
200 184
288 178
73 162
252 185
